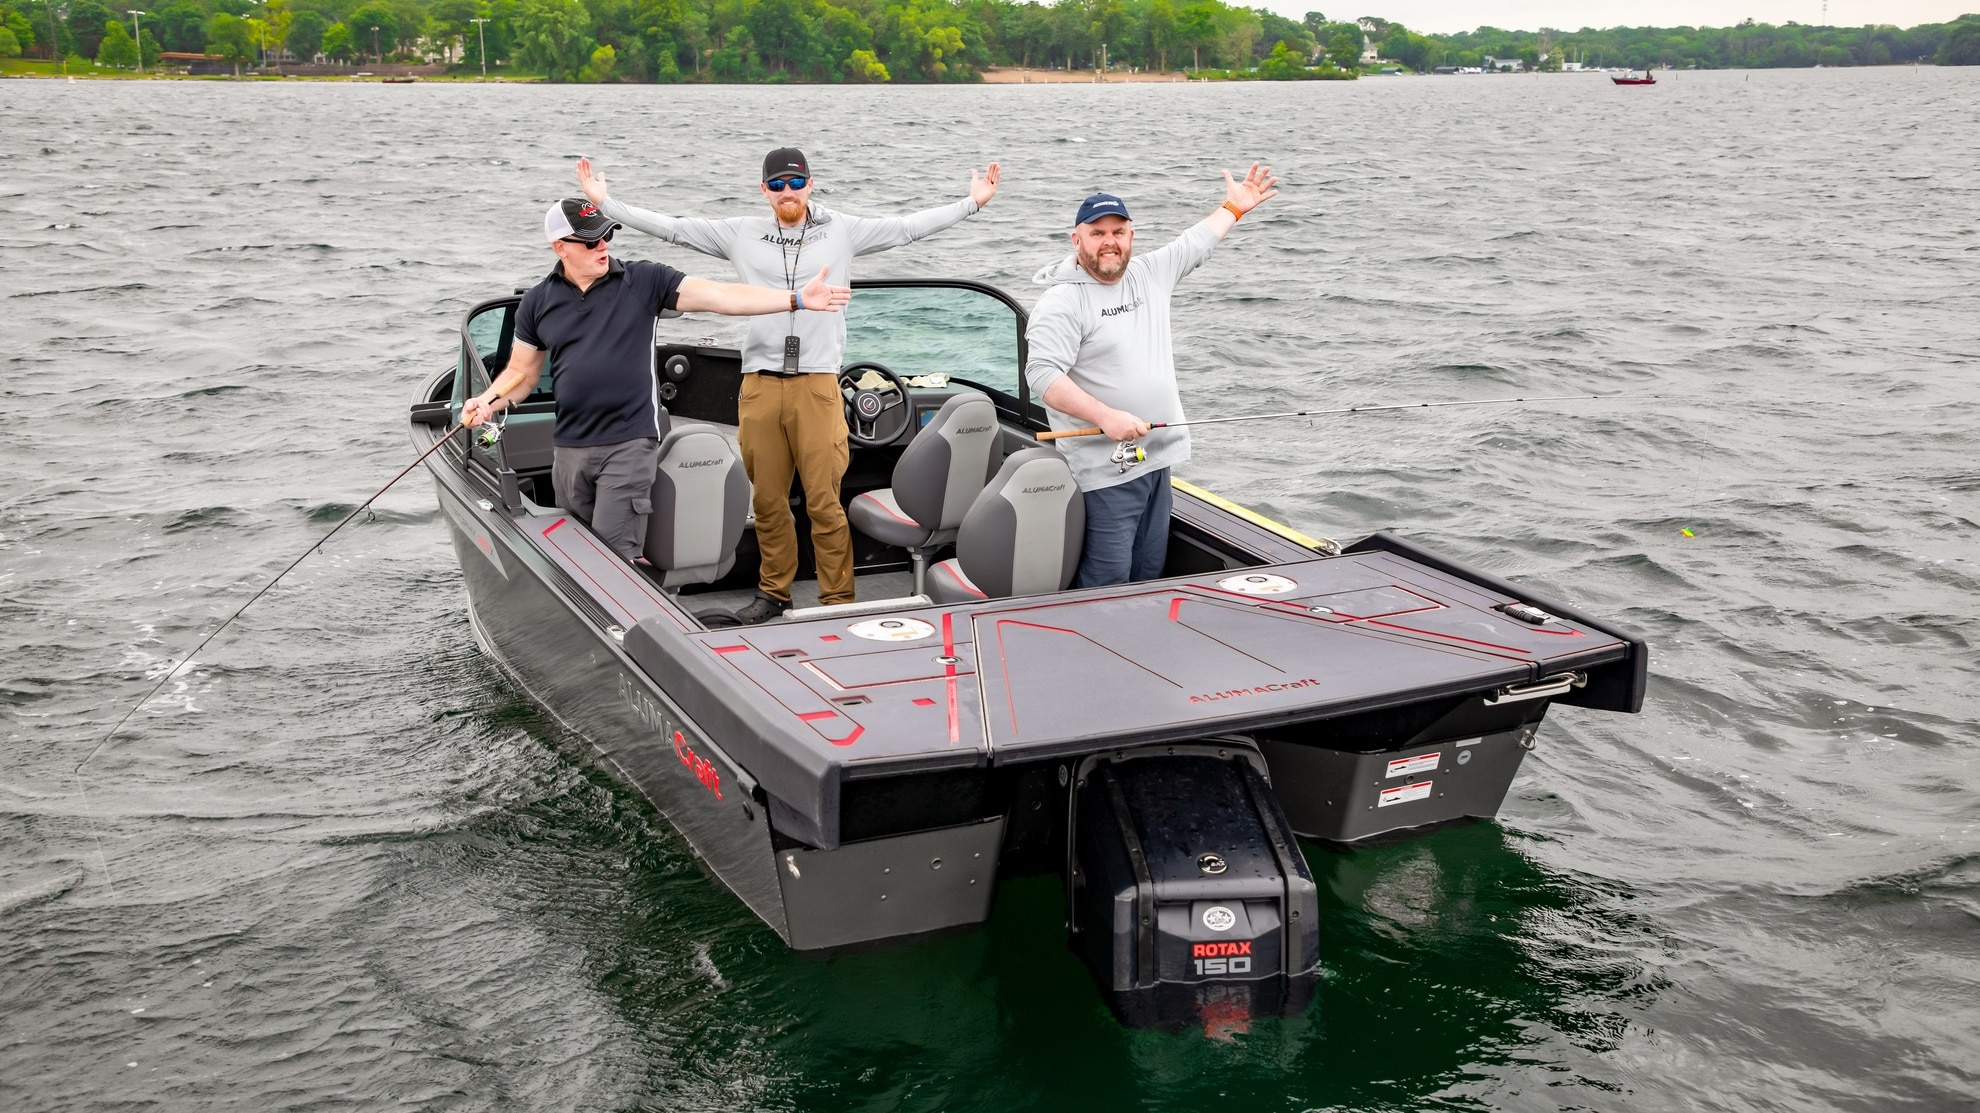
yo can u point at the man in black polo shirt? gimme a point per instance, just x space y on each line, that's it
594 316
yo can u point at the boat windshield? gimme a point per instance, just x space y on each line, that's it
962 332
492 330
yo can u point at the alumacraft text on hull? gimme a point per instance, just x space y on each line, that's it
869 772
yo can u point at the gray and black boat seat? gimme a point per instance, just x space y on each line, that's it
1022 536
936 481
700 501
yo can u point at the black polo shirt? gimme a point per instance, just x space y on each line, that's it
600 344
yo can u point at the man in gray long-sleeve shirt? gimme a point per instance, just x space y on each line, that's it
791 416
1100 355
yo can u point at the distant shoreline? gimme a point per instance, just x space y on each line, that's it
994 75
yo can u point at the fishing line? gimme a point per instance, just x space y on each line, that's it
188 658
1094 432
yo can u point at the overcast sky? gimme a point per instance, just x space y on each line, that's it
1446 16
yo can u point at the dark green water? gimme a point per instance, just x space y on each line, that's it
341 864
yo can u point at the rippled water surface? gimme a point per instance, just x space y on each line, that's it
341 863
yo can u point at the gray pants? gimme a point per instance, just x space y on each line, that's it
609 487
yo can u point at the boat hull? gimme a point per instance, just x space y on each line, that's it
577 670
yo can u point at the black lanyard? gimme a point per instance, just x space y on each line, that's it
793 260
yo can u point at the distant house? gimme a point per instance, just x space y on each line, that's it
1570 67
1503 65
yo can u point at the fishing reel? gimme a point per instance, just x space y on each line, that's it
1128 454
489 433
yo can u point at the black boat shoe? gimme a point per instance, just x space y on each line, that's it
761 609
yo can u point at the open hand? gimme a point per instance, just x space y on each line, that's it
1257 187
593 182
823 298
982 189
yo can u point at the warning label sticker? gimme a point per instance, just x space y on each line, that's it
1421 763
1403 794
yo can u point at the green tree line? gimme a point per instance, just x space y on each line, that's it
900 40
1747 45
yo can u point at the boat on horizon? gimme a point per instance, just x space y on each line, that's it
866 774
1630 79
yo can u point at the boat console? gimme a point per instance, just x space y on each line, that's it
867 773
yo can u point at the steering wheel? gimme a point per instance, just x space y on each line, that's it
865 408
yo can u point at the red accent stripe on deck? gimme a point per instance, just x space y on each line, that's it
949 650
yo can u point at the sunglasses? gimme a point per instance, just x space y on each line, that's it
776 185
604 239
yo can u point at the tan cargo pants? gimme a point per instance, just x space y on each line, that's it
797 425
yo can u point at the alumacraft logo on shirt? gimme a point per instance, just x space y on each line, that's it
1120 309
1262 689
811 235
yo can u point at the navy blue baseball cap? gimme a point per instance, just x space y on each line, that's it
1099 205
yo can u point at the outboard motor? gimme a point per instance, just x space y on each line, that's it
1187 894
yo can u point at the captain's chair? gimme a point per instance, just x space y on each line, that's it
700 501
939 475
1021 537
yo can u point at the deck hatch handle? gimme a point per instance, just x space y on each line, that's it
1544 688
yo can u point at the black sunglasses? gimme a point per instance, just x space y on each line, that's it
776 185
606 238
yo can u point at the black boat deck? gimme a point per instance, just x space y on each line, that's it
808 704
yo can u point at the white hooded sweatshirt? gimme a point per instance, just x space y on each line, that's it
1114 342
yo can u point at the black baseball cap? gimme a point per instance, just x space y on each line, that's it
576 218
785 162
1099 205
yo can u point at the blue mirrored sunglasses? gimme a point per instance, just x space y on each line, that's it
776 185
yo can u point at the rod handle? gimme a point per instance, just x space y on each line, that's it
1056 434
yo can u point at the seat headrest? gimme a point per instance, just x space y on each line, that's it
1023 534
944 468
700 502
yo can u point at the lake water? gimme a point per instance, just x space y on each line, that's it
341 863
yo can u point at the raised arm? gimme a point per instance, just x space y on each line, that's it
870 233
710 237
1188 251
698 295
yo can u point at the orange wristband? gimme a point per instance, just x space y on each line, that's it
1235 212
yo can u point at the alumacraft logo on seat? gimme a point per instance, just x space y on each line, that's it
1261 690
700 463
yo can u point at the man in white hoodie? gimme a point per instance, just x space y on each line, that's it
1101 356
791 417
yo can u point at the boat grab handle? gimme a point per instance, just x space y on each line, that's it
1539 689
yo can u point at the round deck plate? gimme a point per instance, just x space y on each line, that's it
892 629
1257 583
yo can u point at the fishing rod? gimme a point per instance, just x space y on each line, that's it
1094 432
174 670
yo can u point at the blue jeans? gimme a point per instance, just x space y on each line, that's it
1127 532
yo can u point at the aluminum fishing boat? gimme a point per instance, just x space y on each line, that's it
867 773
